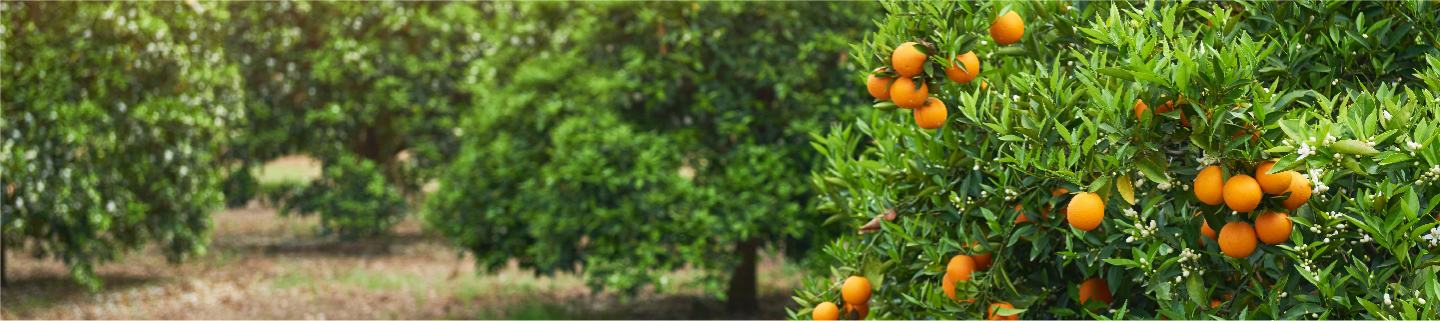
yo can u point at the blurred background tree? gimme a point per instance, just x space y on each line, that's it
631 139
352 84
114 119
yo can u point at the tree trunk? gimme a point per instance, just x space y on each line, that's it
3 258
743 291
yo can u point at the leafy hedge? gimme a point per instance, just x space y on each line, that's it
1227 84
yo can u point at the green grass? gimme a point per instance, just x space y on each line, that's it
530 310
280 172
293 280
373 281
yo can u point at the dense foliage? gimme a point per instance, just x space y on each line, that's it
114 117
355 197
334 80
630 139
1344 94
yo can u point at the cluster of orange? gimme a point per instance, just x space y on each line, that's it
903 82
1242 193
1141 108
960 269
856 295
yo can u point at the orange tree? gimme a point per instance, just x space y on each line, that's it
358 86
1136 160
114 117
630 140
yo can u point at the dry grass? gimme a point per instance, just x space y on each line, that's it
264 266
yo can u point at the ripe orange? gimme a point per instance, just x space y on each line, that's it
1299 192
984 85
932 114
856 311
1085 211
947 284
1273 184
879 87
1208 185
1170 105
1095 288
1214 303
1140 108
972 68
982 260
1206 230
960 267
825 311
908 60
1020 215
1273 227
1007 28
905 93
990 313
1237 239
1242 193
856 290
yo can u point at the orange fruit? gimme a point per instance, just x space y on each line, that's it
947 284
1085 211
972 68
1206 230
984 85
1095 288
1273 184
1299 192
908 60
990 313
825 311
1273 227
1242 193
931 115
1208 185
1237 239
879 87
1007 28
1140 108
856 290
906 95
982 260
1020 215
960 267
1214 303
856 311
1056 192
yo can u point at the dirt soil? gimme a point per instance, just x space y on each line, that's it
265 266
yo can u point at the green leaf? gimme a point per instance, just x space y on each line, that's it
1354 147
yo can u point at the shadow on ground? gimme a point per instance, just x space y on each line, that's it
32 292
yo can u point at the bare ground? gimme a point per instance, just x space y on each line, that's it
264 266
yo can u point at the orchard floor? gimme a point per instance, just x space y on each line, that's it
264 266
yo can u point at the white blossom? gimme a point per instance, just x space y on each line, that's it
1433 237
1304 151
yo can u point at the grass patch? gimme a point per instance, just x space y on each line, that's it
530 310
293 280
374 281
290 169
